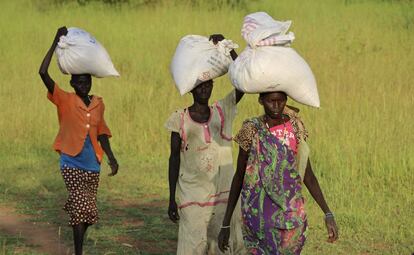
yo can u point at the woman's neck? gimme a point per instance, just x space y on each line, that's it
199 107
85 99
199 112
271 122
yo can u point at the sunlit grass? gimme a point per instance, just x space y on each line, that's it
361 138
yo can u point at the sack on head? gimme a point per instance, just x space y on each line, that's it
197 59
269 64
78 52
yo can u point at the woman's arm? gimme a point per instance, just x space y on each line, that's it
315 190
219 37
233 54
236 186
239 95
43 70
173 172
106 146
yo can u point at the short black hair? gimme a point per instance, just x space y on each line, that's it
261 95
76 77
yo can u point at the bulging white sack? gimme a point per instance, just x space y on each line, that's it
269 68
268 64
197 59
80 53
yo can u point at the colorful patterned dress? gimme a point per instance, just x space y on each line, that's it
272 202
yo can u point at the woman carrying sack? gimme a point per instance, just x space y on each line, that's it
269 177
200 169
81 142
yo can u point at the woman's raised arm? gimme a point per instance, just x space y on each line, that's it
43 70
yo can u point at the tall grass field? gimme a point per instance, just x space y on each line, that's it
361 138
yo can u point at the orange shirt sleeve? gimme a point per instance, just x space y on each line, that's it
102 127
58 95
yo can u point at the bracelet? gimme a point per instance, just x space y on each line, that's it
329 215
224 227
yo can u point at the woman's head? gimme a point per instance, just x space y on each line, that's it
202 92
273 103
82 84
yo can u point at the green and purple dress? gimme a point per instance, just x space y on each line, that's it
272 203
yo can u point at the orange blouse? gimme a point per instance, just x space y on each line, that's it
76 121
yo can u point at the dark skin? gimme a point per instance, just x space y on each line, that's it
82 84
273 104
199 112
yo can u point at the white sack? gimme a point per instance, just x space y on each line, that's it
197 59
80 53
268 64
259 29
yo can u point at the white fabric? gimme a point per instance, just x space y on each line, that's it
259 29
266 66
197 59
78 52
206 160
206 172
199 228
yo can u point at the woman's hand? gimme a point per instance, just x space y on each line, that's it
114 166
332 229
61 31
223 239
173 212
216 38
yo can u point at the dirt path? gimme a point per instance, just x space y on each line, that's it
44 237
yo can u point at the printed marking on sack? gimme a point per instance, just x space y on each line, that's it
217 65
205 76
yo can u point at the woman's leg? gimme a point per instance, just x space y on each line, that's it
78 236
81 204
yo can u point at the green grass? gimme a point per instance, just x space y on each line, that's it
361 138
15 245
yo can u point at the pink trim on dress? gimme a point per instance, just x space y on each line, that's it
183 134
220 201
219 194
207 135
221 114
